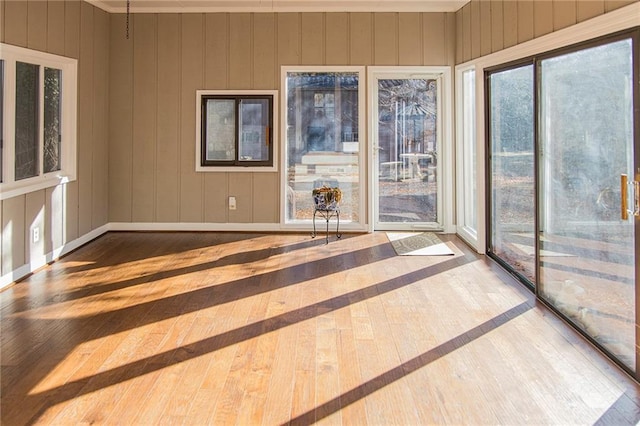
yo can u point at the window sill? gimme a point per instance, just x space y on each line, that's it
14 189
237 169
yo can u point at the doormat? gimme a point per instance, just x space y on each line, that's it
418 244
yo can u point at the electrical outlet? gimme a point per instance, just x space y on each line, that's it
36 235
232 203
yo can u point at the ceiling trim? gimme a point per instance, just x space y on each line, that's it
258 6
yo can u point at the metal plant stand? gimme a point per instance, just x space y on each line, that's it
327 213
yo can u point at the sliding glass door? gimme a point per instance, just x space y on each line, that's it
512 170
587 251
562 131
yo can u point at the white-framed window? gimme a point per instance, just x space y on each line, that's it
466 153
39 113
324 141
235 130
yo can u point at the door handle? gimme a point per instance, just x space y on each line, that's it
624 201
624 211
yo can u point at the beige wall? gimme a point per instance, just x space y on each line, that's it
487 26
64 213
154 76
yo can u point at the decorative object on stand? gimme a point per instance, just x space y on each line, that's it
326 202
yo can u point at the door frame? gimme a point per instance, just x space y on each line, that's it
444 141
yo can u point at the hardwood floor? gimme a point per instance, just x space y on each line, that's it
221 328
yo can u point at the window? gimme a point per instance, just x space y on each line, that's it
323 140
38 120
235 131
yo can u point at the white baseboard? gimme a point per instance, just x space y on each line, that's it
41 261
185 226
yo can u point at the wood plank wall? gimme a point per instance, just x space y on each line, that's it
78 30
154 76
484 27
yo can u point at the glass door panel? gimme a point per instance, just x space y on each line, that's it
512 169
406 152
587 256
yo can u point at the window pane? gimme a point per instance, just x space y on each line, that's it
220 130
26 148
254 130
322 140
586 127
512 169
52 123
407 151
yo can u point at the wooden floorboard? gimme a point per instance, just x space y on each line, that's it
248 329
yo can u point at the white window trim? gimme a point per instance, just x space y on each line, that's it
445 141
304 225
10 55
237 169
466 232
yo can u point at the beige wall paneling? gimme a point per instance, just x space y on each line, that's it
459 37
15 22
288 39
476 26
434 31
497 25
37 22
168 111
55 27
216 51
216 77
71 211
265 74
72 29
13 233
34 218
265 197
145 69
191 183
361 38
466 33
410 39
450 38
216 207
485 27
241 187
385 38
564 14
616 4
72 49
510 20
120 120
85 118
54 210
100 163
240 54
542 17
336 39
312 38
587 9
525 20
2 26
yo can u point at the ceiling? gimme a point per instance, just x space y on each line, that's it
186 6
